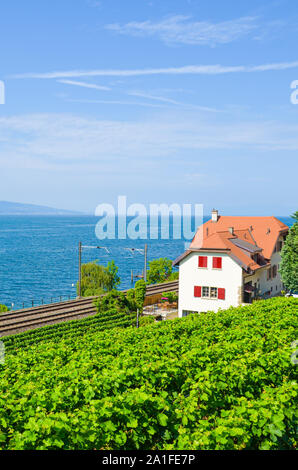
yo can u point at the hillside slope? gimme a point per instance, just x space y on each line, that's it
16 208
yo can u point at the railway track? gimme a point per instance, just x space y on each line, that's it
36 317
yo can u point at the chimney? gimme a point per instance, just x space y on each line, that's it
231 230
214 215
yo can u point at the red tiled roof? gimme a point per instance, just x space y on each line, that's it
251 234
263 231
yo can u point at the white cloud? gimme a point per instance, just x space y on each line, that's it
117 102
166 100
183 30
85 85
66 141
185 70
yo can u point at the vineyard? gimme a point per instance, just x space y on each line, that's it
54 333
212 381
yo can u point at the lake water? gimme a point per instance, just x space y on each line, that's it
39 256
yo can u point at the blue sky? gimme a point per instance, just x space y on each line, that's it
183 101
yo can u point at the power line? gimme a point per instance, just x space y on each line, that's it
142 251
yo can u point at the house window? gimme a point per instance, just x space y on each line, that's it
210 292
217 262
256 258
274 270
203 260
213 292
279 246
205 292
268 274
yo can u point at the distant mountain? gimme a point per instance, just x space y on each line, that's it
16 208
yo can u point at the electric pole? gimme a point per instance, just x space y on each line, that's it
80 269
138 318
145 262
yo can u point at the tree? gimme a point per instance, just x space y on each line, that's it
97 279
289 257
112 270
160 270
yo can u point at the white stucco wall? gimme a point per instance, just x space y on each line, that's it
190 275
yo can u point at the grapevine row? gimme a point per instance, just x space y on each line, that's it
75 327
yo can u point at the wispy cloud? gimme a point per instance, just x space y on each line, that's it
170 101
117 102
181 29
85 85
185 70
65 140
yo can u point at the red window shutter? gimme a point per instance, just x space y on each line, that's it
198 291
203 261
221 294
217 262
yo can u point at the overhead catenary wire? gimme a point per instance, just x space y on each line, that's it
132 250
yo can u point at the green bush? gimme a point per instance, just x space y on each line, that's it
213 381
114 300
137 296
3 308
130 295
171 296
174 276
148 320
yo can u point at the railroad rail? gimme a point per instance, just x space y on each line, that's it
27 319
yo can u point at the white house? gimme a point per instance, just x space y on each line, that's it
231 261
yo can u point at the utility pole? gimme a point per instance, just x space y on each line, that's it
145 262
80 269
